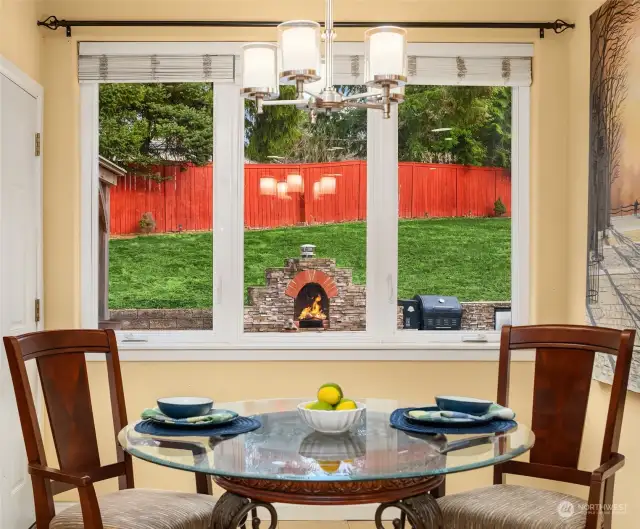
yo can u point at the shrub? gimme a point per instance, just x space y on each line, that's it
499 208
147 223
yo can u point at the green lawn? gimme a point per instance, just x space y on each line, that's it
468 258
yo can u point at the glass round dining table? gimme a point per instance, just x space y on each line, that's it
285 461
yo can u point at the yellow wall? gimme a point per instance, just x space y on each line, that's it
573 256
558 214
20 39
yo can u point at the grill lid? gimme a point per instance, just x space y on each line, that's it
439 304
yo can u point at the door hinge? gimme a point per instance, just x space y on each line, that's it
37 310
37 144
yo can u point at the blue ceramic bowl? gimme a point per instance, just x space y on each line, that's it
185 407
463 404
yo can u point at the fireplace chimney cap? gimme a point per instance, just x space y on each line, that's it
307 250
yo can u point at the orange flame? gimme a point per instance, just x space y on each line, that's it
314 311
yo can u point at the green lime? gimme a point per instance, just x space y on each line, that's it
319 405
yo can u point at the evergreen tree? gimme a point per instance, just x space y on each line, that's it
142 125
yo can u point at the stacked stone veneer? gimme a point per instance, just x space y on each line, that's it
480 315
476 316
163 319
271 307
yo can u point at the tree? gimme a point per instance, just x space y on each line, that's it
496 132
480 119
275 131
287 132
144 125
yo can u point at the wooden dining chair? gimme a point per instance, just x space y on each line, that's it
563 368
62 369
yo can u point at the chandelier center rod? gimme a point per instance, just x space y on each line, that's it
328 45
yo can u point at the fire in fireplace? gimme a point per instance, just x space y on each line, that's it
311 307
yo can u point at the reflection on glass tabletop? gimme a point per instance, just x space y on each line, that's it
285 448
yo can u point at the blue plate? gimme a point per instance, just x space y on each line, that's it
441 420
218 418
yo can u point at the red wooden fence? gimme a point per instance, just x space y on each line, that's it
184 202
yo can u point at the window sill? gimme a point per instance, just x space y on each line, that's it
292 352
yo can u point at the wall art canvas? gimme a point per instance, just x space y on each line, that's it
613 261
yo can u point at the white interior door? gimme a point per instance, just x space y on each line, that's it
19 233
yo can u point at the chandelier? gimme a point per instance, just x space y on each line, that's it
296 60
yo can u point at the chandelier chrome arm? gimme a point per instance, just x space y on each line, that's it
283 102
355 104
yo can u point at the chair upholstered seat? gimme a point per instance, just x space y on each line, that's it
512 507
145 509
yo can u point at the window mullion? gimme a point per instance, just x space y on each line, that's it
382 223
520 222
90 183
228 241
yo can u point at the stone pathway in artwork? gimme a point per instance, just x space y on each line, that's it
618 303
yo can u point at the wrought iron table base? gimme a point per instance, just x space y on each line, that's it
422 512
233 511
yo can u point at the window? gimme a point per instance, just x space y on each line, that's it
305 211
454 208
300 236
156 206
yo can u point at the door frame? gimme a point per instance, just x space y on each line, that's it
17 76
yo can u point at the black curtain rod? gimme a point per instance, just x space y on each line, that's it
53 23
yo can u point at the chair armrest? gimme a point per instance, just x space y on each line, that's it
608 469
72 478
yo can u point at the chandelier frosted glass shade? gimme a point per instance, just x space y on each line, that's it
299 43
385 56
260 70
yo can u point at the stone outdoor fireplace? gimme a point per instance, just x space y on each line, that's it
308 293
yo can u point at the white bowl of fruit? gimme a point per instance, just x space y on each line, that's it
332 413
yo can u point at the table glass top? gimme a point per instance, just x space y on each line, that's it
285 448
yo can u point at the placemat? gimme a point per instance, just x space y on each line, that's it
236 427
399 421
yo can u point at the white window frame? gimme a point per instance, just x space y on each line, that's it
227 340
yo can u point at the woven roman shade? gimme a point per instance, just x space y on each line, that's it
431 64
156 68
427 70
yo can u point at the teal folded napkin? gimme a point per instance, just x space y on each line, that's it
495 411
215 417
